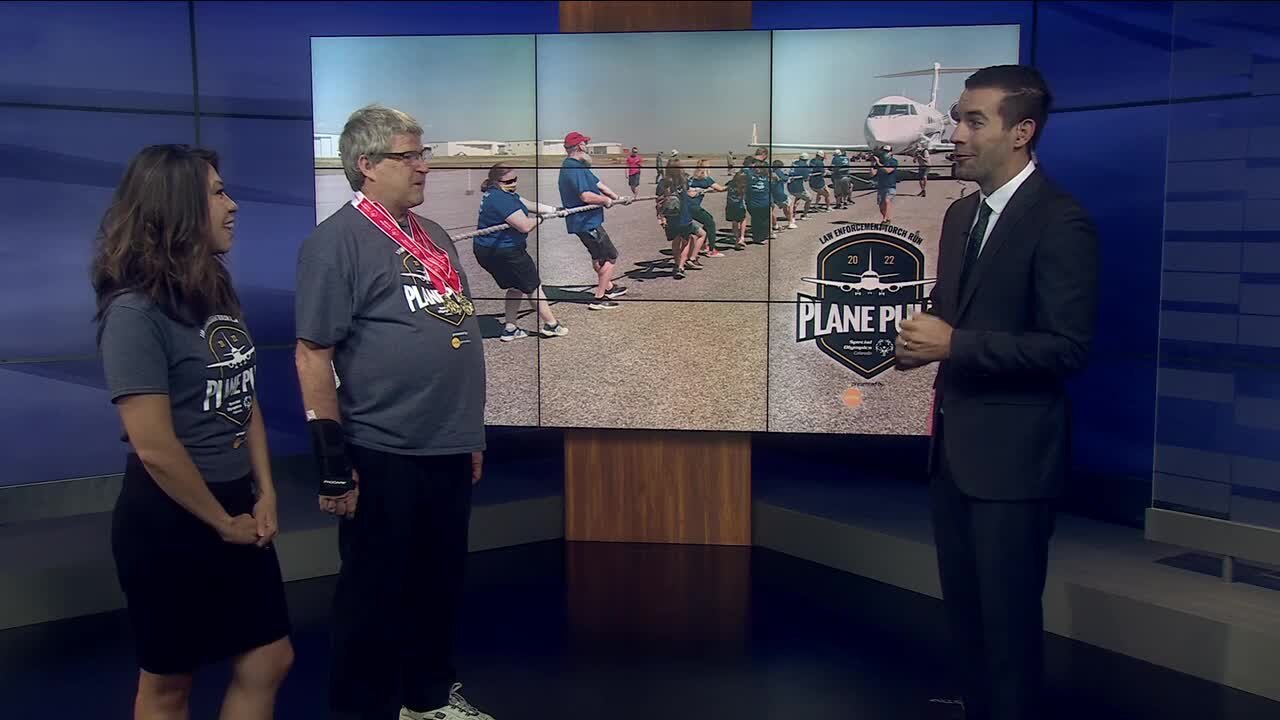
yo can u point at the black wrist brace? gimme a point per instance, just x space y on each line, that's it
331 457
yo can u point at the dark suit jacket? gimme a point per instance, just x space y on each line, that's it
1022 325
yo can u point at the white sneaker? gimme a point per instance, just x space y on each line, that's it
457 709
791 226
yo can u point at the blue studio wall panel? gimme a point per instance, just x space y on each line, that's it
1225 48
59 422
1104 53
134 56
58 169
1218 413
1119 179
275 79
785 15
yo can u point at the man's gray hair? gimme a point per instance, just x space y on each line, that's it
369 131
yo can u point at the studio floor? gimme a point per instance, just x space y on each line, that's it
622 632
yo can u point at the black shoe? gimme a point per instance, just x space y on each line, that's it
615 292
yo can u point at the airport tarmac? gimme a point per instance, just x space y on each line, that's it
727 331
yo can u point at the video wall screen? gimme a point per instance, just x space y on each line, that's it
786 317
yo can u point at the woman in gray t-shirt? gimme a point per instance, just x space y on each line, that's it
193 526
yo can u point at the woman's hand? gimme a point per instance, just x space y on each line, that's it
264 512
239 530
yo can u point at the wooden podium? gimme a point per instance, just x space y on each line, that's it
655 486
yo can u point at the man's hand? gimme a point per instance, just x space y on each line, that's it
923 339
477 467
343 505
264 511
627 200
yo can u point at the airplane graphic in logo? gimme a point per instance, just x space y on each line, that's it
421 277
868 282
239 356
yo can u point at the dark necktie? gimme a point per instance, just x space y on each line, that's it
974 246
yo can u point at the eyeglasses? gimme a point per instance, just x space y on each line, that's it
408 155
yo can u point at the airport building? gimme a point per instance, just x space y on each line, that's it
555 146
456 148
326 146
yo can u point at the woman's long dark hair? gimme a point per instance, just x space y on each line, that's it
155 238
495 174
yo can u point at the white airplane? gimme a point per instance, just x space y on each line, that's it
868 282
899 122
239 356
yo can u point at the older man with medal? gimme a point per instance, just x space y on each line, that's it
391 364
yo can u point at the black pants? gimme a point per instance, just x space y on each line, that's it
761 222
991 559
396 604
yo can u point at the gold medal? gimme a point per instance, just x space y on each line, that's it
452 306
468 307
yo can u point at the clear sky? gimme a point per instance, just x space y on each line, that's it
698 92
824 80
695 92
458 88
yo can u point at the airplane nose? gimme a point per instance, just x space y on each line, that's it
881 131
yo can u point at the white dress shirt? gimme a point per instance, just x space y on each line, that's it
999 199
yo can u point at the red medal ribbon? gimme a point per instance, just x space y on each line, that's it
436 261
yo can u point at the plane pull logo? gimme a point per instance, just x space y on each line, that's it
233 369
867 282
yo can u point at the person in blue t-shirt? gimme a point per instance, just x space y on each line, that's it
818 179
759 202
674 205
579 187
505 254
735 206
795 187
841 180
885 168
778 191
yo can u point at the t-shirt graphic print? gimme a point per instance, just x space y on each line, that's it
421 294
229 389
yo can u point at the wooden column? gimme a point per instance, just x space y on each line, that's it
659 487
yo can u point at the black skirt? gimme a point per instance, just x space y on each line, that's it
193 598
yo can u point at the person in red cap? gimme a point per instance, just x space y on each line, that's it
578 187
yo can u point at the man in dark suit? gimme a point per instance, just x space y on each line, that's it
1010 319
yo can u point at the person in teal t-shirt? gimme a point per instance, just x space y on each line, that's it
818 179
795 187
702 182
841 181
735 206
778 191
759 202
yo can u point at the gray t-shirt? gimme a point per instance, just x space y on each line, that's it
208 373
410 366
